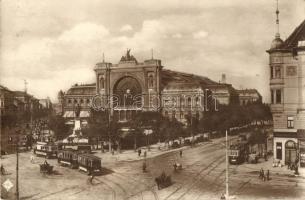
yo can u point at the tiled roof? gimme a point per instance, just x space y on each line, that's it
169 77
297 35
84 89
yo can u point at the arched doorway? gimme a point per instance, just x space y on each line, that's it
127 89
290 151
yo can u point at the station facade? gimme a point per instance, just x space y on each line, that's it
131 86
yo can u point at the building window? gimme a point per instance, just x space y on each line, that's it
181 115
69 101
272 96
291 71
174 114
75 101
88 101
182 101
102 82
197 100
290 122
278 96
150 81
271 73
189 101
81 101
278 72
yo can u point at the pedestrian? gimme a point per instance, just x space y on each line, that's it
91 179
32 159
264 177
112 151
139 152
180 153
222 196
268 175
145 153
2 170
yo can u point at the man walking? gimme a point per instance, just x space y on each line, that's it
180 153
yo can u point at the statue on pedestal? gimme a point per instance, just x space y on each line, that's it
77 110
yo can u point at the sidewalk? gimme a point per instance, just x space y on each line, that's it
155 150
131 155
275 170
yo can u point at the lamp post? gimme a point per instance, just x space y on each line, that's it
227 168
108 104
17 162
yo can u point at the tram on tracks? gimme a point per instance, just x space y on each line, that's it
85 162
238 152
48 150
89 163
68 157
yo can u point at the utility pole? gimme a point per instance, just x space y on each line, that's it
109 102
17 169
227 168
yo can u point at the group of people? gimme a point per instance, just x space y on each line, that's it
265 176
140 152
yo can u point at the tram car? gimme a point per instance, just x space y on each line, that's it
81 148
89 164
47 150
238 152
68 157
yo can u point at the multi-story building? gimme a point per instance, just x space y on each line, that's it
287 86
248 96
146 86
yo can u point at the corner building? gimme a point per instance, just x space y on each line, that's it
287 87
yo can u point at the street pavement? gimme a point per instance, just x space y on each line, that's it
202 177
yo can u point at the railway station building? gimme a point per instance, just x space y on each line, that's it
130 86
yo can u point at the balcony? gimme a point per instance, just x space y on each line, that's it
276 108
277 81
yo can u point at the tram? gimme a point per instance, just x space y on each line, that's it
89 163
238 153
82 148
48 150
68 157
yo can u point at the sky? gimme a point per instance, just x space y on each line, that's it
53 44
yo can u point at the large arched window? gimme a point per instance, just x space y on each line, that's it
127 89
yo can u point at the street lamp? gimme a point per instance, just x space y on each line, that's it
17 163
108 107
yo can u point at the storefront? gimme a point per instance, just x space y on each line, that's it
285 146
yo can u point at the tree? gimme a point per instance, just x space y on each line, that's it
57 124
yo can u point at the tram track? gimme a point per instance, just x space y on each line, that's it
114 195
147 187
200 179
219 159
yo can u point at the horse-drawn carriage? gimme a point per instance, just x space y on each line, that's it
46 168
177 166
163 181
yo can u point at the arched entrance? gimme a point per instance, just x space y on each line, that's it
290 151
128 92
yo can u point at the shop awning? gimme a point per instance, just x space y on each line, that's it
69 114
